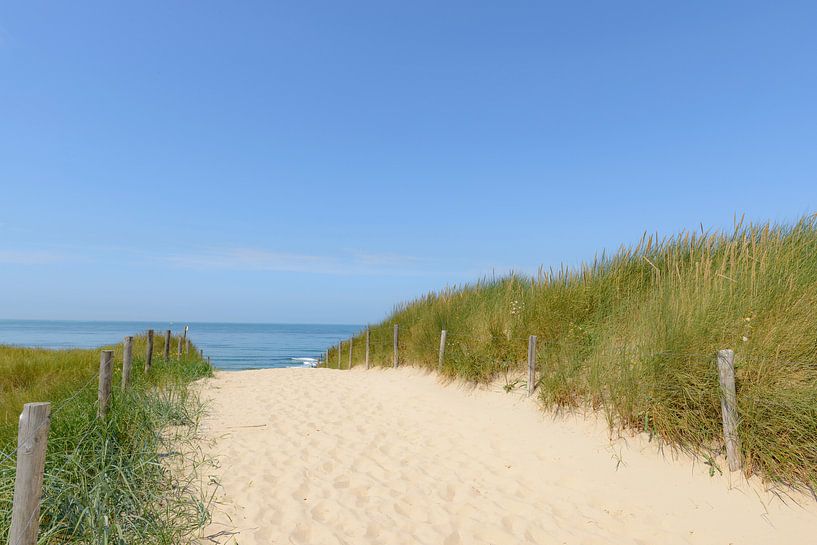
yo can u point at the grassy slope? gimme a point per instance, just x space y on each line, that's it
635 335
106 482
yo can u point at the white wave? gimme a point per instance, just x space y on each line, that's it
307 362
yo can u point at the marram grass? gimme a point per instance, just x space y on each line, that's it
108 482
635 334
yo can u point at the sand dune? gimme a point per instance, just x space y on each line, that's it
320 456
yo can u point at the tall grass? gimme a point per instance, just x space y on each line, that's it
111 481
635 334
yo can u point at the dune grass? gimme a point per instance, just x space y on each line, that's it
635 334
108 482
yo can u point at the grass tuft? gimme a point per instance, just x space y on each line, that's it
108 482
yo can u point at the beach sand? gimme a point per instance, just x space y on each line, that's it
321 456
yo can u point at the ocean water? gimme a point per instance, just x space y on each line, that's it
230 346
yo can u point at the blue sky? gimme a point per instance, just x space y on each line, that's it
319 162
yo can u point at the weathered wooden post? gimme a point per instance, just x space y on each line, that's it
351 342
396 334
32 440
105 378
531 364
127 361
167 345
149 352
184 334
367 347
187 348
729 408
441 357
340 345
179 348
208 361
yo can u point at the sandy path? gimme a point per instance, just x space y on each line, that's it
320 456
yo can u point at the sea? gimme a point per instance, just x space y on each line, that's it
231 346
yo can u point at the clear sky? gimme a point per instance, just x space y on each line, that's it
321 161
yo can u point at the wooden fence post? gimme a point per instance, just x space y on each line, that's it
167 345
441 357
105 378
187 348
340 346
149 352
396 335
179 349
184 335
531 364
729 408
127 361
32 440
351 342
367 347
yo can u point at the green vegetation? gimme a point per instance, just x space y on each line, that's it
635 335
108 482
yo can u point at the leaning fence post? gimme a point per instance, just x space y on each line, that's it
531 364
396 335
167 345
367 348
729 408
149 353
351 342
127 360
32 439
441 357
105 378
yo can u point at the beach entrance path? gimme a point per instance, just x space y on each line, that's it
321 457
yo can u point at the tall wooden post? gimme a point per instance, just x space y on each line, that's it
340 345
32 440
167 345
105 379
184 334
187 348
367 347
127 361
396 335
729 408
149 351
351 342
531 364
179 348
441 357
